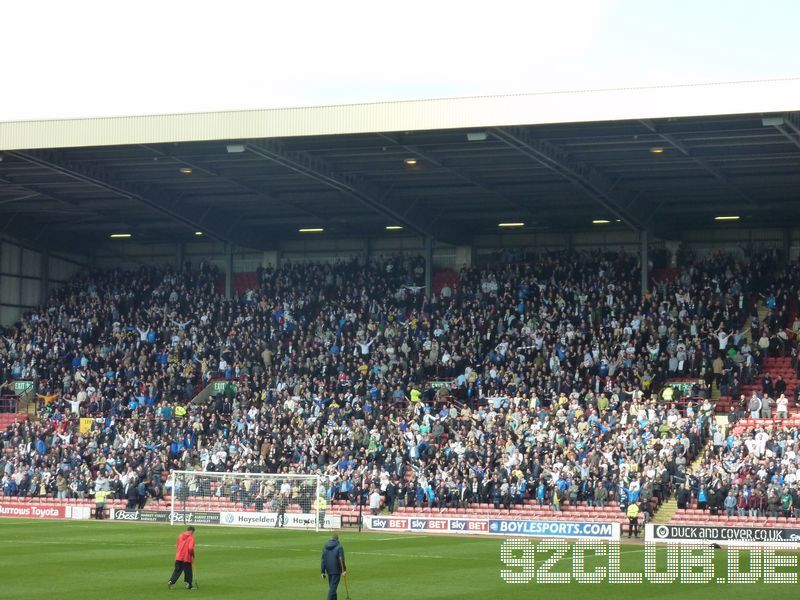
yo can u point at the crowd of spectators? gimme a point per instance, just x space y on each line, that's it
551 367
755 472
750 474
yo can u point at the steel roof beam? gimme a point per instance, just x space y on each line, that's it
37 192
374 196
22 228
701 162
262 194
793 122
215 223
465 177
594 183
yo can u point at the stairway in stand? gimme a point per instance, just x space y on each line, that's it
773 365
724 406
669 507
699 458
715 395
763 311
666 511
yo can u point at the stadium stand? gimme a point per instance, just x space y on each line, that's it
529 387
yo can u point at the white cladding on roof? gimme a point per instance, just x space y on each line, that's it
765 96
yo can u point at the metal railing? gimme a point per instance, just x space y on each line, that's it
9 404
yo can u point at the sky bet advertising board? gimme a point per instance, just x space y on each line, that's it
504 527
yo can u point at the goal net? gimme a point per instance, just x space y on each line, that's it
250 500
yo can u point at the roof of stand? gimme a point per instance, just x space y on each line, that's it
662 173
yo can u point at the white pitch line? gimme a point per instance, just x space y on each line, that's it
241 547
415 555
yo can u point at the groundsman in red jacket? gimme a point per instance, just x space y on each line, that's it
184 556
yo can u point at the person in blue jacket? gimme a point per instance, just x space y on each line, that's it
333 564
541 491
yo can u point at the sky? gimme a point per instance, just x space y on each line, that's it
89 58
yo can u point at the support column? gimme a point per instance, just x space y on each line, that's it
180 256
270 259
673 247
787 245
645 262
228 270
19 278
44 276
428 253
463 257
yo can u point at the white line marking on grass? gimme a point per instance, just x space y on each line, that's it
143 543
72 525
140 543
229 546
28 523
564 560
454 557
415 555
400 537
77 542
411 554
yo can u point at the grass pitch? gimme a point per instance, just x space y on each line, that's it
109 560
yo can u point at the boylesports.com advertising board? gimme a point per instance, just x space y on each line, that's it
504 527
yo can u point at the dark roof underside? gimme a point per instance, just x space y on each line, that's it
551 177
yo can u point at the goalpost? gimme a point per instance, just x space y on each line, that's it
250 500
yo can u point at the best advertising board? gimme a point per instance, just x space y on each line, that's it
291 520
165 516
724 536
504 527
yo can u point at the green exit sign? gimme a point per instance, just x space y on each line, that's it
20 387
435 385
219 386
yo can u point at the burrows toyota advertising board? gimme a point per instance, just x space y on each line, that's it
34 511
